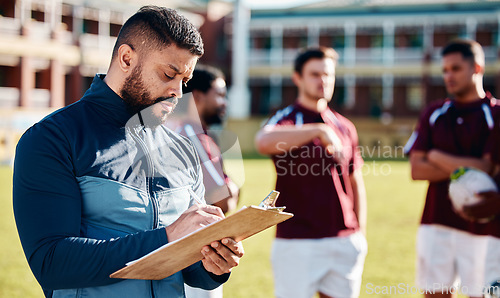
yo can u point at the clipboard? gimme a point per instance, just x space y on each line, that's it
179 254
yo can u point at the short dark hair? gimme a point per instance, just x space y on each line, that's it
203 77
471 50
313 53
154 28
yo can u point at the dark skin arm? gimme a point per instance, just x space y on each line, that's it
436 165
423 169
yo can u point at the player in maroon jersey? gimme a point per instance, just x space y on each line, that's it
318 165
450 133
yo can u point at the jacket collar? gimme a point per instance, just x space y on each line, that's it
110 104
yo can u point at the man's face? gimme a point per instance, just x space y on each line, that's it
214 103
317 79
156 81
458 74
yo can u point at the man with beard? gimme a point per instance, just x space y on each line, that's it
208 88
208 105
455 132
100 183
323 247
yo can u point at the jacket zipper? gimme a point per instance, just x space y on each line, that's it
149 181
149 178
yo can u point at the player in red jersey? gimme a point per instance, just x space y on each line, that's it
208 89
451 133
315 152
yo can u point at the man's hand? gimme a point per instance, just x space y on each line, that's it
196 217
221 256
488 207
329 139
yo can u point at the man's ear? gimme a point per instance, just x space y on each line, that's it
198 96
127 58
296 78
478 69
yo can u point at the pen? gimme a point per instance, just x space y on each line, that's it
196 197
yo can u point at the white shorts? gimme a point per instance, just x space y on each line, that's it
332 266
450 261
200 293
492 271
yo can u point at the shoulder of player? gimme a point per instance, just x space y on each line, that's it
62 116
345 121
437 107
58 123
54 134
284 114
437 104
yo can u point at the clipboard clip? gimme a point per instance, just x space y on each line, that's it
269 202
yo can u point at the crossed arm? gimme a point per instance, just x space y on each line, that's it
436 165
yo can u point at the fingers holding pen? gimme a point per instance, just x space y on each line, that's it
194 218
210 210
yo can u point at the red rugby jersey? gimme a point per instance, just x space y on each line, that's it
214 177
463 129
314 186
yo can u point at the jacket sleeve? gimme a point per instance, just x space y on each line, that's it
47 208
196 276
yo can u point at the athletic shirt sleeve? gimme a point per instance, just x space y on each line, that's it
212 168
493 143
420 139
282 117
216 171
47 208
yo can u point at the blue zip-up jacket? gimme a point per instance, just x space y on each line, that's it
93 189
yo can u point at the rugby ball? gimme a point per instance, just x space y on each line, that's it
466 183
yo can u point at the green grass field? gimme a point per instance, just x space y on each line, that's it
395 205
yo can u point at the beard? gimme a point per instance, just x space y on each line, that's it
214 117
139 100
133 92
459 92
314 95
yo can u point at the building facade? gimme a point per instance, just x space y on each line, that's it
389 66
389 51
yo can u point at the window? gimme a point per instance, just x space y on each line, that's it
377 41
38 15
338 41
7 8
90 26
375 95
114 29
261 42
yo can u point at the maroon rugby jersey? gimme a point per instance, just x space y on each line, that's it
314 186
462 129
214 177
